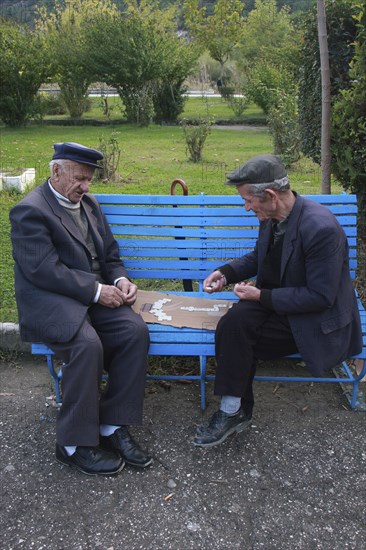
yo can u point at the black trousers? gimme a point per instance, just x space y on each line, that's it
116 340
246 333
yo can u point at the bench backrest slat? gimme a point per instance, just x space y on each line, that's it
186 237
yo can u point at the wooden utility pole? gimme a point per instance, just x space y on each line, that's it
325 81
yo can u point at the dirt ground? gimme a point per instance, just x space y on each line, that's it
295 480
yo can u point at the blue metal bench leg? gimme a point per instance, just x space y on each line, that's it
354 395
203 363
355 398
55 377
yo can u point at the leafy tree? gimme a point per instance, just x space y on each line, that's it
24 10
169 88
296 5
267 82
341 29
283 124
349 134
219 32
139 53
24 65
125 54
66 37
268 55
269 36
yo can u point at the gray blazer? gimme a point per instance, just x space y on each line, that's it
54 283
316 290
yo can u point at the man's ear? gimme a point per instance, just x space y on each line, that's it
56 169
271 194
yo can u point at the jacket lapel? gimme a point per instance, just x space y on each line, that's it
291 233
263 241
95 227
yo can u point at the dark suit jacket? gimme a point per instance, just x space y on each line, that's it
54 283
316 290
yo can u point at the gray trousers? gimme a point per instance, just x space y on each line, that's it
116 340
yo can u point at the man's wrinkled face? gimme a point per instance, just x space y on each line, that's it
72 180
263 207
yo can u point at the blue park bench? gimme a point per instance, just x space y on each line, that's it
182 239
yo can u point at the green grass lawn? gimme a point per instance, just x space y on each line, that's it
218 109
151 158
213 106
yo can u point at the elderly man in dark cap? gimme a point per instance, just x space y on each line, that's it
74 293
303 300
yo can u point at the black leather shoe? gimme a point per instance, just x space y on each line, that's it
91 460
220 426
131 452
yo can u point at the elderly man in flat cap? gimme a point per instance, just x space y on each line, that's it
303 300
74 293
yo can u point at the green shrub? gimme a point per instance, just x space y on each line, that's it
226 91
139 104
75 103
266 83
195 136
348 138
284 127
169 100
50 103
111 156
238 103
24 65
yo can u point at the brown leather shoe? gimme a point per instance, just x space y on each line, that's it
91 460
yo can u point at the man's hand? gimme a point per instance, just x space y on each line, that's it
246 291
214 282
111 296
129 291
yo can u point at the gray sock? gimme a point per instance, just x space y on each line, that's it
230 404
106 430
70 449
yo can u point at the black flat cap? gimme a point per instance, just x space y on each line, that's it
77 153
259 169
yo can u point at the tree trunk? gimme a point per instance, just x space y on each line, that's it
325 80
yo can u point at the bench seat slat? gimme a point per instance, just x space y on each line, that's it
187 350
